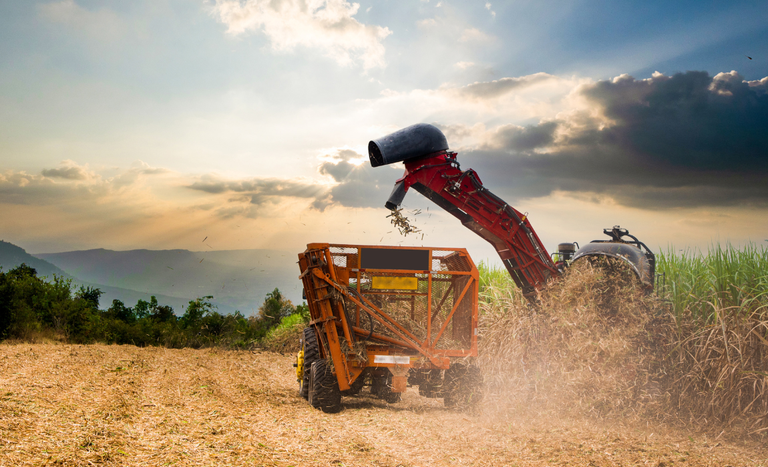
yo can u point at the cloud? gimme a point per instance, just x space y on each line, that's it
688 120
327 25
488 7
23 188
69 170
475 36
248 197
71 183
426 23
351 182
357 184
258 188
143 168
497 88
517 138
668 141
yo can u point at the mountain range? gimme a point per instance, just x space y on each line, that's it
237 279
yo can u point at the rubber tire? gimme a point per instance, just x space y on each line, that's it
324 391
311 355
431 384
463 385
355 387
381 387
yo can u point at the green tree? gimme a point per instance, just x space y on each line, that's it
274 309
163 314
119 311
90 294
195 312
144 309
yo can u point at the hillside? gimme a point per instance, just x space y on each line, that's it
12 256
123 405
237 279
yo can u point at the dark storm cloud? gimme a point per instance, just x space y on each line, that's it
493 89
689 120
683 140
525 138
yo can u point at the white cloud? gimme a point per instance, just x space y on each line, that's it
488 7
494 89
465 65
426 23
475 36
328 25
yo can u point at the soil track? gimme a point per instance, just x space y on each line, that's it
123 405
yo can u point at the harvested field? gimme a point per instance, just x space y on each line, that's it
123 405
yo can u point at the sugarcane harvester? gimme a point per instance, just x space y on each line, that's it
386 317
432 170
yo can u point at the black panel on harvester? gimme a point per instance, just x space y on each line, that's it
409 260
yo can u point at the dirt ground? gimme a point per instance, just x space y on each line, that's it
123 405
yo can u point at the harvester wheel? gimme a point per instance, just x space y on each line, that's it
311 355
463 385
430 382
381 387
324 391
355 387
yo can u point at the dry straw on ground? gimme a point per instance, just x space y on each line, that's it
76 405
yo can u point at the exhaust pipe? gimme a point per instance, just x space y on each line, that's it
411 142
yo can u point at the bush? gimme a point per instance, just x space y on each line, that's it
286 336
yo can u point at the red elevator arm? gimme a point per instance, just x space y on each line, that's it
439 178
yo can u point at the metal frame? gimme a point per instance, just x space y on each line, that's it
326 286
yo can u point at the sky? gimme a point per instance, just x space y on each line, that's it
237 124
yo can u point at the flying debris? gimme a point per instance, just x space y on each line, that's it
401 222
748 57
206 238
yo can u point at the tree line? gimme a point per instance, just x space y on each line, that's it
33 308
